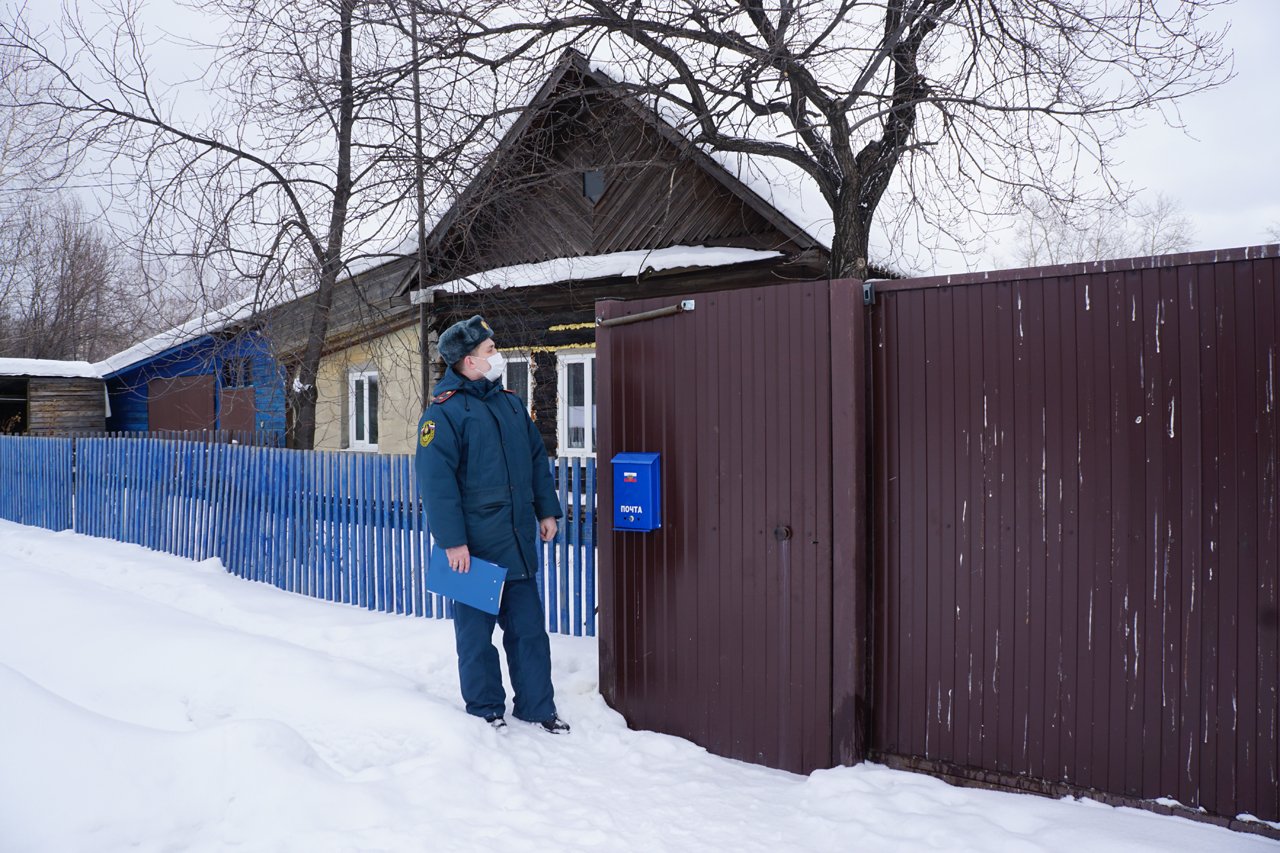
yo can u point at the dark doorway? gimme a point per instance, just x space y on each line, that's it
13 404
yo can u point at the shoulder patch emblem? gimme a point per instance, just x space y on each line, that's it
440 398
428 433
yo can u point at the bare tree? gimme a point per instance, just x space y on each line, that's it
924 103
32 161
1273 232
1048 234
280 183
66 291
1160 227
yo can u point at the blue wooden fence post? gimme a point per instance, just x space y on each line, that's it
343 526
575 545
589 548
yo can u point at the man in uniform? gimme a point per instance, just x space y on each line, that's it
482 469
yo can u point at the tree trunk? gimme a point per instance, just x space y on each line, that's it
853 231
304 392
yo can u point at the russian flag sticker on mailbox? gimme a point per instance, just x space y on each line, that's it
637 492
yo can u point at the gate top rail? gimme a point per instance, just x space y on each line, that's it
1135 264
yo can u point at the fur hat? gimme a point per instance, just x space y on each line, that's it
462 337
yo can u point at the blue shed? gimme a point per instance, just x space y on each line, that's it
209 374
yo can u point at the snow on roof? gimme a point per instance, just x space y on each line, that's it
783 185
214 321
393 252
48 367
588 267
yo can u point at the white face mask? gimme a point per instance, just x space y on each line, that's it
497 364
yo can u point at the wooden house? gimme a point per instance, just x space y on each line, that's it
43 396
369 383
213 373
588 195
592 195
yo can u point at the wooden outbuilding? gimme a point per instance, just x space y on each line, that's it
213 373
40 396
45 396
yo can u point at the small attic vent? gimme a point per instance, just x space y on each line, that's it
593 184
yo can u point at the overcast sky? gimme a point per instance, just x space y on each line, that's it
1223 169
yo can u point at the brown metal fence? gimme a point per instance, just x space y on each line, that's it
1075 524
720 626
1071 580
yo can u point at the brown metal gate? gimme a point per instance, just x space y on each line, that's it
721 626
1076 528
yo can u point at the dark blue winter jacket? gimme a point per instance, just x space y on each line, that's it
482 469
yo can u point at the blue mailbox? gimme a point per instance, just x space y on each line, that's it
637 492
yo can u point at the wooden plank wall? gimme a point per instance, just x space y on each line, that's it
60 404
532 207
1076 528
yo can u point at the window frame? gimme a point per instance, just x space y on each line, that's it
513 359
236 372
563 359
354 375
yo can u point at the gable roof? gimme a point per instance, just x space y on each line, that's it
572 78
373 290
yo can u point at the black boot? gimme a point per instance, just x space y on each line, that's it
555 726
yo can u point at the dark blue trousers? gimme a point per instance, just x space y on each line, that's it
524 637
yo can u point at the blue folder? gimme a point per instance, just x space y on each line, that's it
481 587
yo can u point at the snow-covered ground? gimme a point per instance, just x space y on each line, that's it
152 703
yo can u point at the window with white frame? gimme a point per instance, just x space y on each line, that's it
362 421
519 379
576 410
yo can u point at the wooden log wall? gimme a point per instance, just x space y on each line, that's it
62 404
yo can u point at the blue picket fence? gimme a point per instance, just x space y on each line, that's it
345 527
35 481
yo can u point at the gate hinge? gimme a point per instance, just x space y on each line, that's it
868 294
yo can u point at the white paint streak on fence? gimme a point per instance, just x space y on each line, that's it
995 666
1155 562
1271 380
1137 645
1090 634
